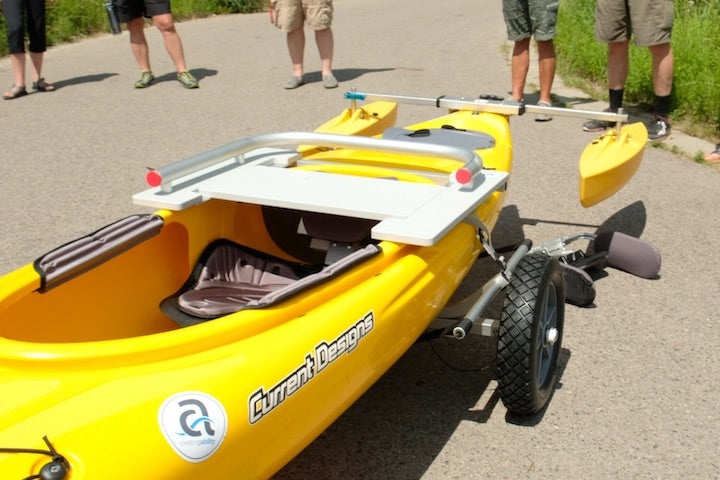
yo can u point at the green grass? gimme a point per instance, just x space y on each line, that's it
71 20
582 62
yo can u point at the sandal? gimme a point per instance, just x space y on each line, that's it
16 91
714 156
42 86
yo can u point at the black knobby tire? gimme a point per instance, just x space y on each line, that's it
528 348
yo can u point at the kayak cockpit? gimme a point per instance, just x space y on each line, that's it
229 277
152 273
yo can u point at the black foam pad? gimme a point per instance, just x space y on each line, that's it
579 287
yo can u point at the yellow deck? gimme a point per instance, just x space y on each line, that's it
94 364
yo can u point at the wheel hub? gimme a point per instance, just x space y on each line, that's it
551 336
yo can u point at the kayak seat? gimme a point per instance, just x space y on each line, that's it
316 238
229 277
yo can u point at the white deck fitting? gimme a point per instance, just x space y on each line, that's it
413 213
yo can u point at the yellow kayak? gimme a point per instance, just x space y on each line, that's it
277 280
610 161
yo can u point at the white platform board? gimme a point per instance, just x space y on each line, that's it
413 213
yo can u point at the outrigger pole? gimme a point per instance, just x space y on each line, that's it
490 104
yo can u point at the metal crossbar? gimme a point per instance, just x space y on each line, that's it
490 105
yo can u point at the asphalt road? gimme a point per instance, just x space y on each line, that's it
637 396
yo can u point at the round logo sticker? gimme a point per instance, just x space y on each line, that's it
194 424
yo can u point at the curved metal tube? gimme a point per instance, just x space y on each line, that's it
163 175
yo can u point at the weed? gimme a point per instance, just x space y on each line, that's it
696 48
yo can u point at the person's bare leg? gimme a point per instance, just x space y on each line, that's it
296 48
662 70
138 43
17 60
546 65
173 43
325 45
519 67
618 64
36 62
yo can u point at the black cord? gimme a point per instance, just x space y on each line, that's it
51 452
27 450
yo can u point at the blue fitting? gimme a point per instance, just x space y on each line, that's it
354 96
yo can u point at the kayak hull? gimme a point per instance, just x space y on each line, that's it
122 390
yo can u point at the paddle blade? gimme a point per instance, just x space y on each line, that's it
628 253
610 161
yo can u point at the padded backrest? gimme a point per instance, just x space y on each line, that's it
294 231
337 228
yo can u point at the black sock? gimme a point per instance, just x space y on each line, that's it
616 99
662 105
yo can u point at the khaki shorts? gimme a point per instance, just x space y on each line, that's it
649 22
291 14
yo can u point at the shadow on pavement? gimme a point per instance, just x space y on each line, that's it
343 74
198 73
410 414
96 77
630 220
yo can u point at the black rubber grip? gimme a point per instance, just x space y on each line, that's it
465 325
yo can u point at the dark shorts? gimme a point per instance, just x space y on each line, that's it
530 18
649 22
20 14
132 9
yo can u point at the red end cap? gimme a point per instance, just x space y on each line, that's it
153 178
463 176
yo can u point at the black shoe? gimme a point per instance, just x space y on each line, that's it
598 125
659 128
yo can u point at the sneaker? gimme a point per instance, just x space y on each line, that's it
329 81
543 117
187 80
659 128
293 82
146 78
512 102
598 125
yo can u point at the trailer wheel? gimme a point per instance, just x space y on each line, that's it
530 334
